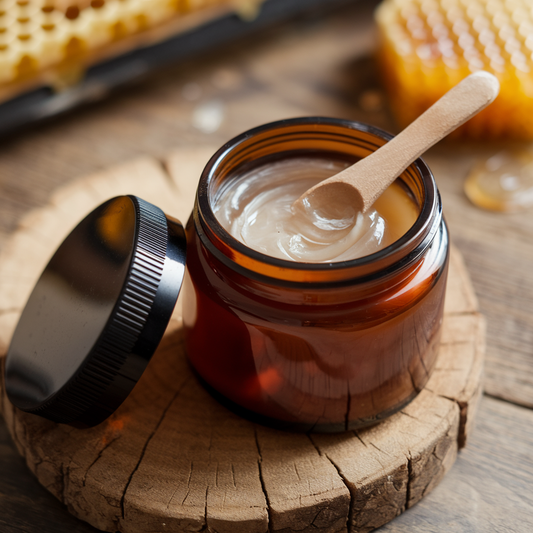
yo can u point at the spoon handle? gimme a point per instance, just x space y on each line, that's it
373 174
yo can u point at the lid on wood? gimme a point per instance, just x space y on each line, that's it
97 313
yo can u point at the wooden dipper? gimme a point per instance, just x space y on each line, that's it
361 184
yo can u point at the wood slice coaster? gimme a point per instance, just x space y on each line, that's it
173 460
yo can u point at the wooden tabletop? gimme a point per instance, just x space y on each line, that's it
320 66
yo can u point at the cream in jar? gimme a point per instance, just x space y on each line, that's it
255 208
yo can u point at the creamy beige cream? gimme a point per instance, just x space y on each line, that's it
256 209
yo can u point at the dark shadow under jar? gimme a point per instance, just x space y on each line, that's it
313 346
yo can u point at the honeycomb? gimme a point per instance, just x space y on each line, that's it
53 41
428 46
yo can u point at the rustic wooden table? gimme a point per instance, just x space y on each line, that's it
320 66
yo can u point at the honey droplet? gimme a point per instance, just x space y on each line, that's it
504 182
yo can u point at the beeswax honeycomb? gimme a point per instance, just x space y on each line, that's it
428 46
53 41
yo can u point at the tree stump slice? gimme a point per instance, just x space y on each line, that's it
173 460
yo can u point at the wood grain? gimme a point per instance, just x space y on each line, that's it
25 507
471 498
172 455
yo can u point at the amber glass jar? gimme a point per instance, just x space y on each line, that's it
313 346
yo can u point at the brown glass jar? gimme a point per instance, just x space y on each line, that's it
313 346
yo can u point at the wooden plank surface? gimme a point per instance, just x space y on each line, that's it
269 78
171 454
498 251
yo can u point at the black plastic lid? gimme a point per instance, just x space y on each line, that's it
97 313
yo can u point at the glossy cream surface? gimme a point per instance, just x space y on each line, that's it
255 208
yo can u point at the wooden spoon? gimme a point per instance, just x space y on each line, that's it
361 184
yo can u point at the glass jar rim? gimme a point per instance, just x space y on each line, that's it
231 251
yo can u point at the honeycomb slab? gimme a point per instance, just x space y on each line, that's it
428 46
52 41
